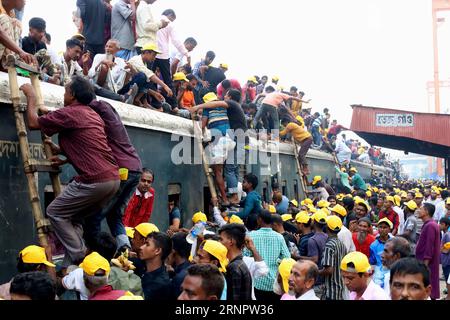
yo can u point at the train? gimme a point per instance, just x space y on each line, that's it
156 137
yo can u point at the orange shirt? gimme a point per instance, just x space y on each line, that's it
187 100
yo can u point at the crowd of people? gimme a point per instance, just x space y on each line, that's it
357 241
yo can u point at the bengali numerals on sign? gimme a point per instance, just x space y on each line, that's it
395 120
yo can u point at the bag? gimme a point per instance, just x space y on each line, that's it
218 151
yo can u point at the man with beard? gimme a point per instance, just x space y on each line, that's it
363 238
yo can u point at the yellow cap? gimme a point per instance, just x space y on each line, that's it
325 210
150 47
210 96
397 200
302 217
316 179
35 254
311 208
353 169
343 170
199 217
272 209
235 219
286 217
129 296
387 221
403 194
284 269
340 196
320 217
375 189
391 199
146 228
334 223
130 232
224 66
412 205
275 78
180 76
418 195
94 262
294 202
79 36
447 246
253 79
448 201
323 204
339 210
306 202
364 203
217 250
359 260
369 193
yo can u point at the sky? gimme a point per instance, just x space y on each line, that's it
371 52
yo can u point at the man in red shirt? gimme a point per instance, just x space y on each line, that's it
389 213
82 140
140 207
226 85
249 90
363 238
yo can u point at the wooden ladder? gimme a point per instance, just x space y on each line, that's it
31 165
299 169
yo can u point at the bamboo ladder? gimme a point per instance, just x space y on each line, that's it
299 168
31 165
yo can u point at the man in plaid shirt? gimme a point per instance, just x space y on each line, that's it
273 249
239 280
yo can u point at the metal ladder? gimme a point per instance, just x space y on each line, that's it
31 165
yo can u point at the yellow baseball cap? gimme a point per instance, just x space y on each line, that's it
210 96
150 47
418 195
397 200
284 269
252 79
180 76
294 202
359 260
311 208
146 228
343 170
94 262
364 203
448 201
447 246
199 217
320 217
79 36
275 78
412 205
353 170
323 204
286 217
235 219
369 193
129 296
340 196
272 209
340 210
224 66
334 223
391 199
130 232
217 250
302 217
375 189
403 194
387 221
316 179
306 202
35 254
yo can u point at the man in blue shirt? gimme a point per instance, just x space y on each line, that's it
356 180
376 249
252 204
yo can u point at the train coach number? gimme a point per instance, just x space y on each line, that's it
395 120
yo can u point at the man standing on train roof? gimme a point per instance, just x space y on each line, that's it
356 180
301 136
83 141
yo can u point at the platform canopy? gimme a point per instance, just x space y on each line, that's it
422 133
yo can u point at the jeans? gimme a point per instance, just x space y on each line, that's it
141 80
105 93
316 135
113 212
231 172
272 112
446 272
126 54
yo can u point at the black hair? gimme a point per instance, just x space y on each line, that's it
235 95
301 93
265 77
265 216
316 114
37 285
163 242
211 54
212 279
187 68
48 37
147 170
331 198
429 208
191 40
293 88
349 203
285 120
23 267
251 223
445 220
410 265
38 24
252 105
352 266
401 246
82 90
105 244
236 232
269 89
226 84
190 77
180 245
169 12
276 218
326 110
252 179
361 194
445 194
214 237
74 43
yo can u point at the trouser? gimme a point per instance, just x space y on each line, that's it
141 80
164 67
126 54
268 296
272 112
231 171
108 94
113 212
94 49
446 272
67 212
304 147
316 135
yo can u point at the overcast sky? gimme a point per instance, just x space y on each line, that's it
370 52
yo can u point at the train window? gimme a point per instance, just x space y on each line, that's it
174 193
284 188
296 190
265 192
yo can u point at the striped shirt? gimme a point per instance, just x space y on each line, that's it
333 254
318 121
272 248
216 117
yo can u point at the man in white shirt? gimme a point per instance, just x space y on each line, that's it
399 211
146 25
179 59
302 279
344 235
